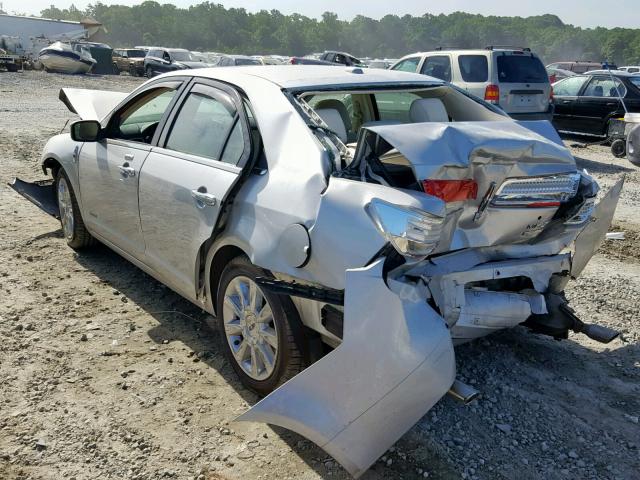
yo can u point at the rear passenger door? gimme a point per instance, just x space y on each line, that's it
186 179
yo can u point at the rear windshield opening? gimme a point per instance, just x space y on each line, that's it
521 69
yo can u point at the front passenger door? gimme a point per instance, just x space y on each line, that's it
186 179
110 168
564 100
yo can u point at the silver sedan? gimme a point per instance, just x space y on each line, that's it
347 228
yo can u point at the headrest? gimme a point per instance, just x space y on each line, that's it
428 110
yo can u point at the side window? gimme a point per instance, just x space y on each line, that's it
474 68
604 87
569 87
124 54
206 120
138 120
438 67
166 57
339 58
408 65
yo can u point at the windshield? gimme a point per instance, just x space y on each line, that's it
182 57
136 53
247 61
521 69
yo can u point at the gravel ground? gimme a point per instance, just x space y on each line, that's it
105 373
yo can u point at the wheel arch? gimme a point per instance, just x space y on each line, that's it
217 259
53 164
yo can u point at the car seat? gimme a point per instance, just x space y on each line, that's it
334 121
598 91
428 110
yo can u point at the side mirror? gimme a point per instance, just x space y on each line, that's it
85 131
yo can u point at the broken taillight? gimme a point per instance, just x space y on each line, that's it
451 190
492 94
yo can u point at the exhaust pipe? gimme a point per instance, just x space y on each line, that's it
463 392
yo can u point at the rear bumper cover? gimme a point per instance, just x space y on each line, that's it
395 362
548 115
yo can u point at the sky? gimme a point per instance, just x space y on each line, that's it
583 13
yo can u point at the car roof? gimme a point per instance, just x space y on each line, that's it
476 51
615 73
310 76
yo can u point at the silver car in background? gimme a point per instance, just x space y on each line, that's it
346 227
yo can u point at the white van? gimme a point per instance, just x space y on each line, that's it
512 78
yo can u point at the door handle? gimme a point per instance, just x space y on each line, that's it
126 170
128 156
203 199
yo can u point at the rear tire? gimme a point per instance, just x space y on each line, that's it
258 336
75 232
116 70
133 71
149 71
619 148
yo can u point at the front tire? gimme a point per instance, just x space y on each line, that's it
257 329
75 232
149 71
116 70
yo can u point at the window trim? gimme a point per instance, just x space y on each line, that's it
241 115
603 77
580 90
403 60
107 124
487 59
426 59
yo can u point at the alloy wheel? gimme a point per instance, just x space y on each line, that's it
65 206
250 328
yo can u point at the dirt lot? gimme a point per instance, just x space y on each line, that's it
105 373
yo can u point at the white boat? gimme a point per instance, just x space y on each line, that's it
63 58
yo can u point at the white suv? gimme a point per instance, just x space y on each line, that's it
513 79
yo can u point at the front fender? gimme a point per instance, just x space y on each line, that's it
61 149
395 363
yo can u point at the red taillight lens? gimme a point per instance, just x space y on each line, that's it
451 190
292 61
492 93
552 78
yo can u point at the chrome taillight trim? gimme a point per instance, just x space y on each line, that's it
549 191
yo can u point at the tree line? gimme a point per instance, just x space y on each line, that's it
212 27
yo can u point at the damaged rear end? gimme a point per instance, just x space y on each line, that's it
514 222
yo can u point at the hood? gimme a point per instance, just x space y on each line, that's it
90 104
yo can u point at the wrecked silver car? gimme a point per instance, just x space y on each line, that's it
347 228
